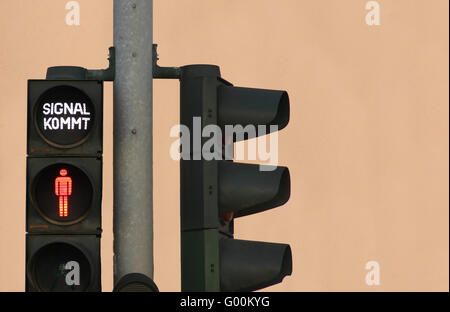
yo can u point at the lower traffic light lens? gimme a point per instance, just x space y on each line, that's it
60 267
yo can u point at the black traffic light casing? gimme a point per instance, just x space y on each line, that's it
214 188
64 185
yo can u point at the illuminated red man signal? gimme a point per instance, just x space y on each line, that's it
63 188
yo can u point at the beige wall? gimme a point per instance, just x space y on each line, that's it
367 144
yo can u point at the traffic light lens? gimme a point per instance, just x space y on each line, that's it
64 116
60 267
62 193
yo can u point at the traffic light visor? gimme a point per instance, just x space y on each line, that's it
249 106
250 265
245 190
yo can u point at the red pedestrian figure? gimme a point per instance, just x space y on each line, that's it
63 188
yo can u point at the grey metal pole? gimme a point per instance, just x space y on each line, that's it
133 160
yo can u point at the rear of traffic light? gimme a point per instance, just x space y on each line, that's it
213 190
64 185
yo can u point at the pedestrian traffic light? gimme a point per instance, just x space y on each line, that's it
64 185
214 189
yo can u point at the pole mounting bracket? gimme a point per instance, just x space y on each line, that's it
163 72
81 73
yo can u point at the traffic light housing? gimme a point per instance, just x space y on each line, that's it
64 185
214 189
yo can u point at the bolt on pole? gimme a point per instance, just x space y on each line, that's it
133 159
